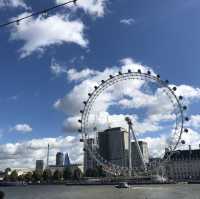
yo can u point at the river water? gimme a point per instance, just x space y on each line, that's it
103 192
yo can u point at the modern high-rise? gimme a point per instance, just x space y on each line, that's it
59 159
113 145
39 165
67 160
89 161
136 160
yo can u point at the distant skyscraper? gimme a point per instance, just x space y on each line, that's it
89 162
113 145
47 157
136 160
39 165
59 159
67 160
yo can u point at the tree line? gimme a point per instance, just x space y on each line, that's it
47 176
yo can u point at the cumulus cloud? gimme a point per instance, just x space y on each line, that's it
189 92
104 120
72 102
40 33
128 98
57 69
194 121
128 21
24 154
12 3
157 144
21 128
126 95
92 7
73 74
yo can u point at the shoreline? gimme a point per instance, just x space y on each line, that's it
90 184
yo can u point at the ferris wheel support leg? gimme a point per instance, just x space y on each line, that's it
138 148
129 153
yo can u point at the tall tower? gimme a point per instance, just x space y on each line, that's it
89 162
67 160
59 159
136 160
39 165
113 145
48 156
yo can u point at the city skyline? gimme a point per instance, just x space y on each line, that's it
45 77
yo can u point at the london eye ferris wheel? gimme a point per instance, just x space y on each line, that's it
145 107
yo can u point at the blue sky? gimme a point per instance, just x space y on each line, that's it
163 35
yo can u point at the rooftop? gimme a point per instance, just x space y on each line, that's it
186 154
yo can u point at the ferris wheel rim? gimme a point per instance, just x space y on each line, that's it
112 80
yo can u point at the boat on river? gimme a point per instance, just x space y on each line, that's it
122 185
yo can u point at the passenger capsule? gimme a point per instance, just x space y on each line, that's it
186 118
174 88
186 130
184 107
166 81
182 141
180 97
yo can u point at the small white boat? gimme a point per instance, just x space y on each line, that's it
122 185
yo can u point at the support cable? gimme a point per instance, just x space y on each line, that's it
17 21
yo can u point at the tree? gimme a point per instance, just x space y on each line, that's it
6 177
14 176
28 176
47 175
67 174
77 174
57 175
21 178
7 170
37 176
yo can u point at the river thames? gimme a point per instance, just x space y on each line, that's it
183 191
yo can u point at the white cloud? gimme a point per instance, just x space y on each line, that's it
128 21
24 154
194 121
22 128
157 144
190 93
92 7
104 120
71 104
57 69
73 74
12 3
43 32
132 96
191 138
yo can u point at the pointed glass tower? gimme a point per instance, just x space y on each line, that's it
67 160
